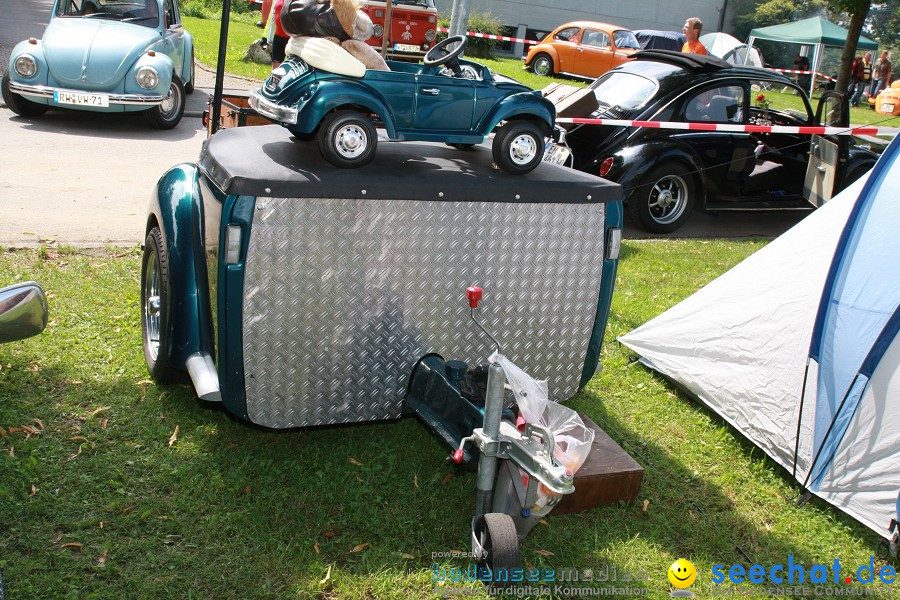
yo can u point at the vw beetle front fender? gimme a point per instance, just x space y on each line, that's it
176 207
35 51
632 163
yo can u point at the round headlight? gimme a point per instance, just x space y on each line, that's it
377 30
25 66
429 35
147 77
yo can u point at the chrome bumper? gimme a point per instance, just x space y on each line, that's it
273 111
43 91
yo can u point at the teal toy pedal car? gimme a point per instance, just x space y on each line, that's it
446 99
105 56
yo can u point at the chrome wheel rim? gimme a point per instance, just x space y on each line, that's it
151 305
542 66
351 140
168 108
668 199
523 149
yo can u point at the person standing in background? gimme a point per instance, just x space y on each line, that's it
857 80
277 38
881 74
692 29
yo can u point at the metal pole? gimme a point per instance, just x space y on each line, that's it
388 27
487 465
459 19
220 66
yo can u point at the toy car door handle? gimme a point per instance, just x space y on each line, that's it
430 91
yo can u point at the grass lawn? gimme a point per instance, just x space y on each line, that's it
112 487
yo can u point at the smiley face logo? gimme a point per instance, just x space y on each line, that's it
682 573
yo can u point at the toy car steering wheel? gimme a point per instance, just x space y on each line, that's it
439 55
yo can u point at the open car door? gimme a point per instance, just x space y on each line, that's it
827 154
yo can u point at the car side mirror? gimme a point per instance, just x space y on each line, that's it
175 27
23 311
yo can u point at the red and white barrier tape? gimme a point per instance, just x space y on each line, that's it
491 36
802 130
796 72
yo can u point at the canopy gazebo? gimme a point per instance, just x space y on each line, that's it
815 31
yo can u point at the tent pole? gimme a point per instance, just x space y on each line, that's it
816 61
800 420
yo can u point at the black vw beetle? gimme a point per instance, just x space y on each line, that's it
666 173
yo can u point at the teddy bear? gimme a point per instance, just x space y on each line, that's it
338 21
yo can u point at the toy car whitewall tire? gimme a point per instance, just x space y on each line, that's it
664 200
518 147
347 139
168 114
542 65
154 308
19 105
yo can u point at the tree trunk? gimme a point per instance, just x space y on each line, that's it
857 19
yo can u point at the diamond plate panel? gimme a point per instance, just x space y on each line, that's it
342 297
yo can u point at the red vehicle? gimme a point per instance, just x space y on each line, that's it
413 27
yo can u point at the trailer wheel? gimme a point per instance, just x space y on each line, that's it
154 309
496 532
347 139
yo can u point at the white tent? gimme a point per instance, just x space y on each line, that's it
798 348
719 43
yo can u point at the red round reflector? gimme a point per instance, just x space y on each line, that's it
605 166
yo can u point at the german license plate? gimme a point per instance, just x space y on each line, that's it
556 154
81 99
887 108
406 47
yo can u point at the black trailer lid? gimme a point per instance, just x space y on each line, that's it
265 161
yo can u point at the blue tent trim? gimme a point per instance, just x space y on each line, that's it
841 382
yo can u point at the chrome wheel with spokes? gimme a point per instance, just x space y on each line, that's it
664 199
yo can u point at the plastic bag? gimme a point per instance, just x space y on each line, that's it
572 438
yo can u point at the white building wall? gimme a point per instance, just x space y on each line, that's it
667 15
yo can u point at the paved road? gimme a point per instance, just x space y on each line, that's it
79 178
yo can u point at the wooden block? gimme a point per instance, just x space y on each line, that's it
607 476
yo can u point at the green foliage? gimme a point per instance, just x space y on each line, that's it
479 22
750 14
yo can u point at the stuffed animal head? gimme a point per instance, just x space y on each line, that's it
347 12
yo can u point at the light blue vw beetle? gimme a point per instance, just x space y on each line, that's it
105 56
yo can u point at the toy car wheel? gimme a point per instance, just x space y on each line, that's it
496 532
347 139
542 65
19 105
518 147
664 200
167 114
189 86
154 309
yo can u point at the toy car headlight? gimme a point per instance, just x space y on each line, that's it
147 77
25 66
429 35
377 30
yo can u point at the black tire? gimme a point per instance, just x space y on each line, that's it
168 114
496 532
518 147
189 86
154 309
855 173
664 200
19 105
542 65
347 139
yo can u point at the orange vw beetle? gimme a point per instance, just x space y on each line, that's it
582 49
